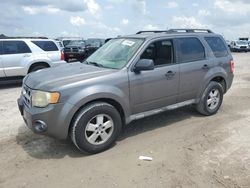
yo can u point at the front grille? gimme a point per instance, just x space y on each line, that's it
71 50
243 47
26 93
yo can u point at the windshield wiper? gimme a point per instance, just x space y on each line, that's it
94 63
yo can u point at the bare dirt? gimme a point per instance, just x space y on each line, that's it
188 150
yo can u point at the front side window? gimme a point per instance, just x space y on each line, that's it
190 49
116 53
217 45
46 45
15 47
161 52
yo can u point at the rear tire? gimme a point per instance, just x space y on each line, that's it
211 99
96 127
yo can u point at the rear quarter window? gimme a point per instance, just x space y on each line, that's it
217 46
46 45
15 47
190 49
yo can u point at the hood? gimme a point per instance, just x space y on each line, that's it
52 78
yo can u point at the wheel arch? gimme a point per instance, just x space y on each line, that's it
110 101
220 77
222 81
37 64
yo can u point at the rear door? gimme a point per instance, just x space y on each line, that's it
50 48
13 59
2 74
194 65
159 87
222 56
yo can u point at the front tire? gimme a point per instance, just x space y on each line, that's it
211 99
96 127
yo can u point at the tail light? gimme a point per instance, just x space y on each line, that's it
232 66
62 55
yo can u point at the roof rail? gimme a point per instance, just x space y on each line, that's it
177 31
152 31
26 38
190 30
34 37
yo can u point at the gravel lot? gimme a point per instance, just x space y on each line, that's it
188 150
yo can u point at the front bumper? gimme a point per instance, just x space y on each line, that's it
238 49
53 120
72 55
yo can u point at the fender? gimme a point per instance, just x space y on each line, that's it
211 74
96 92
31 61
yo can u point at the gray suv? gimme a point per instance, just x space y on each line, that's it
128 78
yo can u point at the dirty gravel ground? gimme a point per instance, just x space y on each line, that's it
188 150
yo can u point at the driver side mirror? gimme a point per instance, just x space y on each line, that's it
144 65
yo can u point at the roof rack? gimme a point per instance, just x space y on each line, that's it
152 31
177 31
34 37
25 38
190 30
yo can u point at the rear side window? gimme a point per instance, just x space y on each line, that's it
15 47
218 46
190 49
46 45
1 48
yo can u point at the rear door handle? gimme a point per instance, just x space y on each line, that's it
205 67
170 74
26 55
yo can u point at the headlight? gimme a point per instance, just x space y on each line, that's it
43 99
81 50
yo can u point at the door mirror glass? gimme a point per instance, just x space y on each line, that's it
144 65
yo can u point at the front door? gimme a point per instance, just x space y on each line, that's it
159 87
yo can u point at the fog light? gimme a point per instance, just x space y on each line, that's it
40 126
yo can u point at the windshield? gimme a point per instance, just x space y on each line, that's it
93 42
76 43
116 53
241 43
66 42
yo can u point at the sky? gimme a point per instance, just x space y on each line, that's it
109 18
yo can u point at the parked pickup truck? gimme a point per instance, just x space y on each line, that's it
128 78
80 50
